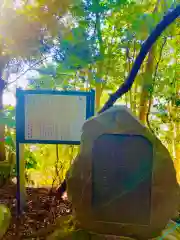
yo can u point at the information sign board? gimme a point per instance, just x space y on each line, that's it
48 117
52 116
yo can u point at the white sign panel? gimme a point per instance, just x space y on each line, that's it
54 117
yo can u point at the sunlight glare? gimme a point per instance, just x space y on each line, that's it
9 99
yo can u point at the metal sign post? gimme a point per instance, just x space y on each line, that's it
48 117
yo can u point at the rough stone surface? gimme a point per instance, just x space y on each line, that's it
165 189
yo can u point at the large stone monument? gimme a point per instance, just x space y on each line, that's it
123 182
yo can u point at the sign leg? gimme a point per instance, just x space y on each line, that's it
21 189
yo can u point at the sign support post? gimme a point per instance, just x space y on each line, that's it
21 189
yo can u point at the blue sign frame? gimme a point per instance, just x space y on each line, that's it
20 131
20 112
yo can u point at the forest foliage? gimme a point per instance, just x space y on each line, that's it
81 45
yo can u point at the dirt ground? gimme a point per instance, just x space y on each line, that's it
41 211
40 215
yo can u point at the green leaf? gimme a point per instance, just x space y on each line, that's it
5 217
8 122
9 140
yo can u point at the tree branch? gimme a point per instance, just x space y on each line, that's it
126 86
29 69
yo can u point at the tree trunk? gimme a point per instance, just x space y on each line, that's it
3 61
100 68
147 86
98 95
134 107
148 80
